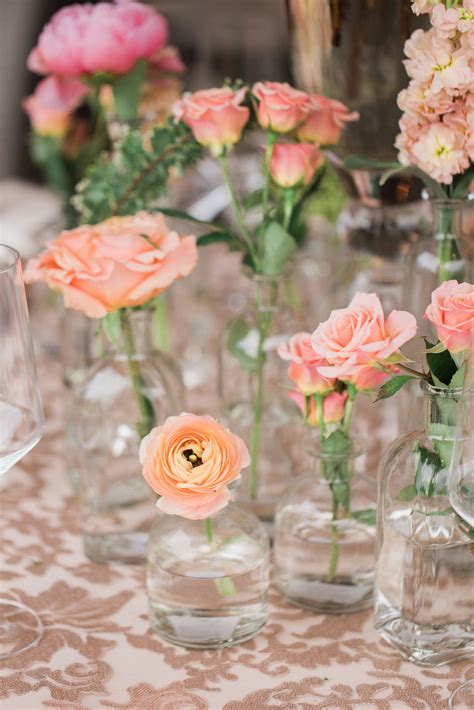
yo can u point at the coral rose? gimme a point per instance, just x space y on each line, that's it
189 462
105 37
360 335
52 103
215 116
294 164
118 263
281 108
303 369
325 122
333 407
452 312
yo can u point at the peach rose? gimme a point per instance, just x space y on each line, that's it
294 164
360 335
215 116
452 312
50 107
189 462
104 37
333 407
303 369
325 122
119 263
281 108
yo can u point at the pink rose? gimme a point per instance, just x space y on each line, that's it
452 312
365 377
189 462
360 335
215 116
106 37
326 121
294 164
281 108
119 263
303 369
50 107
333 407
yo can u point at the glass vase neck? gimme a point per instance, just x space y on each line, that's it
267 290
436 412
136 333
452 217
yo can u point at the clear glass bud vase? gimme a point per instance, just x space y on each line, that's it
208 579
425 557
447 253
325 536
124 395
254 394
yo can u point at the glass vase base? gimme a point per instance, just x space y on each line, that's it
205 629
424 645
128 548
20 628
324 597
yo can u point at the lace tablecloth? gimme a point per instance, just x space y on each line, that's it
98 651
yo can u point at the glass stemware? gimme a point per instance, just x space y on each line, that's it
21 424
461 475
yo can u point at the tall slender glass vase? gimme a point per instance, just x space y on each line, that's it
425 560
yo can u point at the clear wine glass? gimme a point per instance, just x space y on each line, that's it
21 424
461 474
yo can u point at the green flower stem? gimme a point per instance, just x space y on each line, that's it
255 435
238 210
349 406
147 413
160 322
288 200
271 138
224 585
319 400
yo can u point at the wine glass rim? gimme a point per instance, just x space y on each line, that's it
15 258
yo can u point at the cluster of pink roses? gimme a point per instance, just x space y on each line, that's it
217 118
82 41
437 126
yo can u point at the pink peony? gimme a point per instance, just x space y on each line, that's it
333 407
294 164
452 312
215 116
325 122
106 37
189 462
281 108
52 103
303 369
360 335
168 60
119 263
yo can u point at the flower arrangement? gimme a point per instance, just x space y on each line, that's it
106 269
297 127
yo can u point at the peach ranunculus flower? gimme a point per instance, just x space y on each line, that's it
281 108
189 461
215 116
104 37
303 368
294 164
50 107
360 335
452 313
119 263
325 122
333 407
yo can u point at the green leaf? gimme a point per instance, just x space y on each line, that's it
391 387
442 437
429 469
253 199
438 348
337 443
228 238
238 342
127 91
462 183
357 162
407 494
112 327
433 187
441 365
277 248
457 379
368 516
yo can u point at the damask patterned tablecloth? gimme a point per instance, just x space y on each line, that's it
98 651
